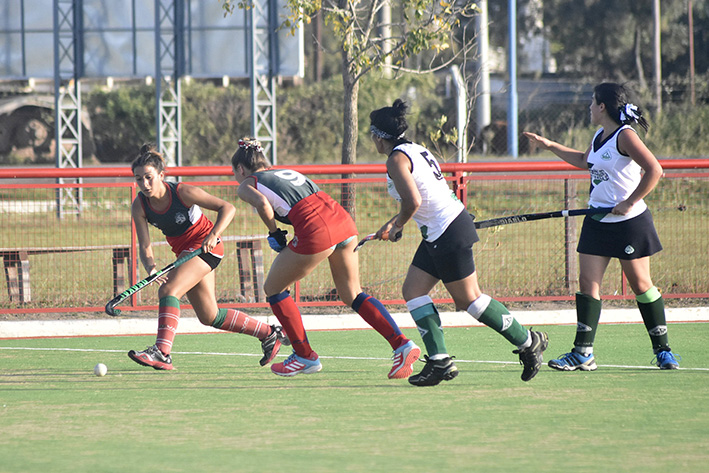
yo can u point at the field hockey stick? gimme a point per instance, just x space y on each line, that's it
370 237
493 222
111 306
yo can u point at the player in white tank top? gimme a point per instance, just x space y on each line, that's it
614 176
445 255
439 204
623 172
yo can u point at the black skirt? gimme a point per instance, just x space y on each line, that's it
630 239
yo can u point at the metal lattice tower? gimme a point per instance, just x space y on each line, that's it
67 99
264 66
169 68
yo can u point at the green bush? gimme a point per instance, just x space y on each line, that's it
122 120
310 121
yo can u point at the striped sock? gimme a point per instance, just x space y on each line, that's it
168 318
376 315
287 313
236 321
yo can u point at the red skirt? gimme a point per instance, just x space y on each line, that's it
319 223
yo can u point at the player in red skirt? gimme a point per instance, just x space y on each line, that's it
175 209
323 230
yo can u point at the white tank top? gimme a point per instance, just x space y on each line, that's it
614 176
439 205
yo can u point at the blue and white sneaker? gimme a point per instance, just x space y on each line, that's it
295 364
574 361
666 360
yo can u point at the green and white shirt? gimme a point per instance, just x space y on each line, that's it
614 176
439 204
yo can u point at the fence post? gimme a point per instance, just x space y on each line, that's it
571 272
460 187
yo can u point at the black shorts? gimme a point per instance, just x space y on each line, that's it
210 259
630 239
450 257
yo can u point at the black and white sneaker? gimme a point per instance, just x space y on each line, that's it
531 357
272 344
434 372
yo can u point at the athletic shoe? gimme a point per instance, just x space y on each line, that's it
531 357
574 361
295 364
272 344
153 357
404 357
435 371
666 360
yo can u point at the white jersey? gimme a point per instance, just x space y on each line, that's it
439 204
614 176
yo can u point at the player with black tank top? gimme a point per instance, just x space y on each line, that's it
176 209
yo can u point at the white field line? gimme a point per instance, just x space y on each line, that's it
362 358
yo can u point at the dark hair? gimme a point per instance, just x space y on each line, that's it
250 155
616 98
149 156
390 120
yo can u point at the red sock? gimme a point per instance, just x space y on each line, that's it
287 313
236 321
168 317
376 315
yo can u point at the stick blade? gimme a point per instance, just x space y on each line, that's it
363 241
111 309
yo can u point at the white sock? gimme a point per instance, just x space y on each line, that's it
438 356
527 343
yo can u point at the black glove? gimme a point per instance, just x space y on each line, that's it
277 240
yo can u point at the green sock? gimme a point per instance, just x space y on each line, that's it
588 313
219 319
498 318
429 324
652 308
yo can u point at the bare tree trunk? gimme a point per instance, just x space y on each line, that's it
351 131
638 60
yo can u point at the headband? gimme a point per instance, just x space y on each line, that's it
383 134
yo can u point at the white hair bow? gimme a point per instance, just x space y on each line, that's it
629 112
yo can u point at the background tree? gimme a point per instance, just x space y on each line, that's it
607 39
419 28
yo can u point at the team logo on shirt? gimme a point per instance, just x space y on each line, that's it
606 156
180 218
598 176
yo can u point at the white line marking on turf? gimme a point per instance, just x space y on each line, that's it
362 358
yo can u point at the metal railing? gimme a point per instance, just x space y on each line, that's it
76 263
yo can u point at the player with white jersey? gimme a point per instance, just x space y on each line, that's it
614 176
175 209
623 172
323 230
415 180
439 204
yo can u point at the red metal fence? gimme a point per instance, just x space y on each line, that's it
69 247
